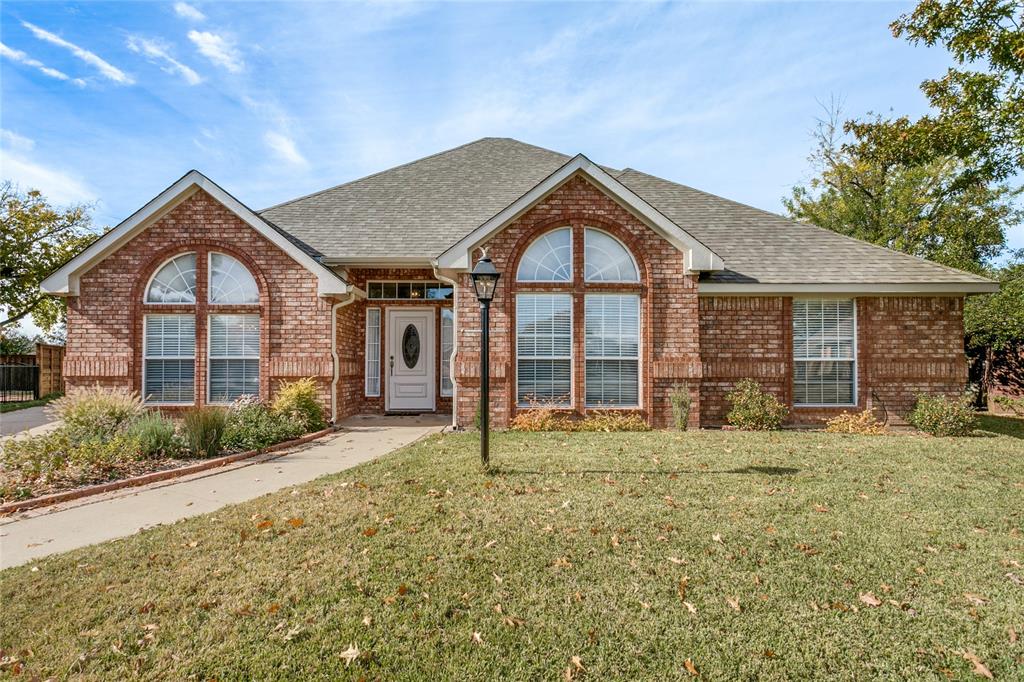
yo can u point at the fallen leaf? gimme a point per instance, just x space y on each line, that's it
681 588
193 545
403 589
717 538
821 509
477 638
733 603
350 654
490 544
677 560
1012 634
370 532
870 599
367 621
691 668
577 662
263 525
690 607
562 562
295 523
975 599
979 668
273 608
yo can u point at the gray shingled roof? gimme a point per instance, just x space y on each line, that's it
422 208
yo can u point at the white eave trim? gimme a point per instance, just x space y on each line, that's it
907 288
698 256
64 281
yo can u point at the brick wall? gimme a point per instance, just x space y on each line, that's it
905 346
669 342
104 343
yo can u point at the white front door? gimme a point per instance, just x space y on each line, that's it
410 359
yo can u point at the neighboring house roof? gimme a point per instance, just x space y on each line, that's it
64 281
418 211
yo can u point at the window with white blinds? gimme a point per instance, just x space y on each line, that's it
234 362
447 347
612 323
372 387
169 359
824 352
544 349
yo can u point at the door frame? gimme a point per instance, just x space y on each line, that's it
428 351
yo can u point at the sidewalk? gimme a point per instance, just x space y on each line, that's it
38 533
23 420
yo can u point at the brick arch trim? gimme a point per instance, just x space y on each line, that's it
201 309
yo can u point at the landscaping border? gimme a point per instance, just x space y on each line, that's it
156 476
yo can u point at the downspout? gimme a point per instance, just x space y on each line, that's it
455 339
334 353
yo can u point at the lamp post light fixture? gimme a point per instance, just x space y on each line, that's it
485 279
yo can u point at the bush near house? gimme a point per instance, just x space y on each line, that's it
548 419
944 416
753 408
864 423
107 434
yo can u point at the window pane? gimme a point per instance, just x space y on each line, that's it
168 365
823 352
544 348
447 346
234 357
233 378
612 324
548 258
607 260
372 382
175 282
230 281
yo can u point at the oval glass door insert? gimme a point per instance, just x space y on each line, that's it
411 346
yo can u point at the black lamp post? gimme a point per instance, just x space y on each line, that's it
485 279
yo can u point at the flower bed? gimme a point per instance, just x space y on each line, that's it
108 435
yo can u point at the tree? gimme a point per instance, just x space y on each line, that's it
923 207
35 239
996 321
15 343
979 107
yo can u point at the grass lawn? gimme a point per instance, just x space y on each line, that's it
784 555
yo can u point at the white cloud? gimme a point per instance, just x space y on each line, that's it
284 147
22 58
17 166
107 69
158 52
187 11
218 49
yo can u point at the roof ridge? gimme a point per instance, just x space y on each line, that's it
381 172
807 225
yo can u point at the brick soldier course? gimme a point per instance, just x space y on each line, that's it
717 281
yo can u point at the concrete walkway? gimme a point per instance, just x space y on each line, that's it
38 533
23 420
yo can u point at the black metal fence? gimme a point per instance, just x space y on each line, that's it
19 383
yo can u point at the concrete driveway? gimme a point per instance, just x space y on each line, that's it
38 533
22 420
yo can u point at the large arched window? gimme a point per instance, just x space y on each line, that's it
175 282
548 258
546 317
170 337
230 281
607 260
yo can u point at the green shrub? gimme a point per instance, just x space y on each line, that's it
681 402
298 400
940 415
100 459
35 457
753 408
1014 405
251 426
96 413
202 430
156 436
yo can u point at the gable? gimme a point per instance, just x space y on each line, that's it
65 280
698 256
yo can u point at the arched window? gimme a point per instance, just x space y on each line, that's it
605 259
548 258
231 282
175 282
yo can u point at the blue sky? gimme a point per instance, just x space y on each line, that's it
111 102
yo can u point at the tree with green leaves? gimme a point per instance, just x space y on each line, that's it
35 239
924 208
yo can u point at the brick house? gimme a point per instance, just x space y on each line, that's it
616 288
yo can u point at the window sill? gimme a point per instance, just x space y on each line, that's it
818 406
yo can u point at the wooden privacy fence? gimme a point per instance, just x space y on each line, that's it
27 377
